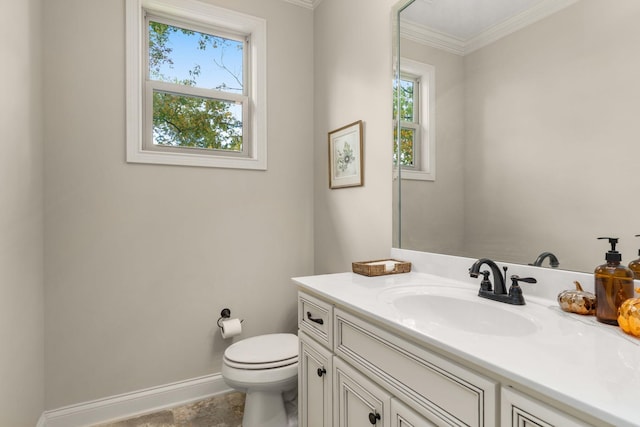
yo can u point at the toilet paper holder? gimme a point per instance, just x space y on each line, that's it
225 314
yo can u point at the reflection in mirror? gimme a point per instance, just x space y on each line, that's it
536 126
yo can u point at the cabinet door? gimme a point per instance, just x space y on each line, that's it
403 416
314 384
519 410
358 401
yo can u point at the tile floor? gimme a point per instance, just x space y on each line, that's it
218 411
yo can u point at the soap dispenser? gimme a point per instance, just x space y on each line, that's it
613 285
635 265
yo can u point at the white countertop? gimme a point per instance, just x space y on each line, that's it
573 359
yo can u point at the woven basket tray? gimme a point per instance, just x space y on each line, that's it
380 267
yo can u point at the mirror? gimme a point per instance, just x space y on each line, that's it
536 129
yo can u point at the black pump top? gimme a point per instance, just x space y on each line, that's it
638 235
612 255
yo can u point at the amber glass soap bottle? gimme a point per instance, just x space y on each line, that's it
635 265
613 285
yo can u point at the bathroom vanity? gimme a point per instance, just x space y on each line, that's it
421 349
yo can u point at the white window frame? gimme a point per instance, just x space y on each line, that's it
204 15
425 165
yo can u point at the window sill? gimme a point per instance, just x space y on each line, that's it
180 159
412 175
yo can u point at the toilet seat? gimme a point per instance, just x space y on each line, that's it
263 352
257 366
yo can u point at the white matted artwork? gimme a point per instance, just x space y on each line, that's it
345 156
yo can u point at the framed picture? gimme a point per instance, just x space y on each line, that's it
345 156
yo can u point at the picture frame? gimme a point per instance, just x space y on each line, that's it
345 156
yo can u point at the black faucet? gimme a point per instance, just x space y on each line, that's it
499 293
498 280
553 260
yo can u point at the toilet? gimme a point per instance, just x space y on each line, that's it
264 367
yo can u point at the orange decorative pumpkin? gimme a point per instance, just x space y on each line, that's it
577 301
629 316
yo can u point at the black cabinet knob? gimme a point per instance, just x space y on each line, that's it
373 418
321 371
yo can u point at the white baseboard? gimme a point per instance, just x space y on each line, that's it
135 403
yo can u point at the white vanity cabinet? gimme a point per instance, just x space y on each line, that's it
519 410
380 379
424 368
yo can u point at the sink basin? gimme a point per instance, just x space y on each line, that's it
461 309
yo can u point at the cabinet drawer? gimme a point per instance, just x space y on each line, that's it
442 391
315 317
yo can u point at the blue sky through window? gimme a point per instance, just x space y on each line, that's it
220 65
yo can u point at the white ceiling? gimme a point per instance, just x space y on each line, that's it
464 19
462 26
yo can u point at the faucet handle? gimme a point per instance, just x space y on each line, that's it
485 285
515 279
515 292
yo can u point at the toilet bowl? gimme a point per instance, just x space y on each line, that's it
263 367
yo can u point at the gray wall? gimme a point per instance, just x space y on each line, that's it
21 225
352 51
554 136
439 227
140 259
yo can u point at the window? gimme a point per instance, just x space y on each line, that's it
196 85
414 105
408 96
197 90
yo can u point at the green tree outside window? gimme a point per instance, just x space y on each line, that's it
404 100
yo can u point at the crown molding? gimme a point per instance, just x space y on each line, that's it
309 4
424 35
429 37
